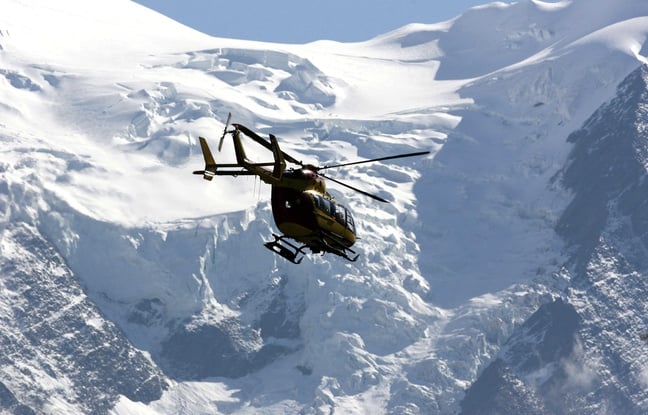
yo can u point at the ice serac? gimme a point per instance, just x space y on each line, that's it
583 352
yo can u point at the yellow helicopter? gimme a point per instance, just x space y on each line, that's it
302 208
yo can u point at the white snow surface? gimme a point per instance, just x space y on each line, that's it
101 104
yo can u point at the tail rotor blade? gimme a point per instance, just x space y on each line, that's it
220 143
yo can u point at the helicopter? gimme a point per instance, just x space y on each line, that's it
302 209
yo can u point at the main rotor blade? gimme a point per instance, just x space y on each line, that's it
256 137
378 198
234 173
334 166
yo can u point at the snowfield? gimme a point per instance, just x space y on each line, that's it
101 106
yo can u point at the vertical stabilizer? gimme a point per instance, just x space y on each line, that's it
241 158
279 162
210 164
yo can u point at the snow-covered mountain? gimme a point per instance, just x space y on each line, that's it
506 276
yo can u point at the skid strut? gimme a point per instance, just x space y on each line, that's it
295 254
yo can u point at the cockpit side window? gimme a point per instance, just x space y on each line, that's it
350 223
340 214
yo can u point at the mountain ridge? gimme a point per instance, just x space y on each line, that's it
572 371
452 274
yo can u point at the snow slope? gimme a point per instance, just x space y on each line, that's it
101 105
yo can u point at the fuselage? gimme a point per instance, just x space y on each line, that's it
305 212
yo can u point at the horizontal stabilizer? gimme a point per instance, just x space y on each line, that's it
207 175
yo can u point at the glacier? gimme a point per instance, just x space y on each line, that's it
505 276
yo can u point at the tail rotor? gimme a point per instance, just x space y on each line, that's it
220 143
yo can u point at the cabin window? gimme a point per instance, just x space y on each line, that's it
292 201
324 204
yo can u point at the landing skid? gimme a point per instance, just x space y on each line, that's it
295 254
282 247
345 255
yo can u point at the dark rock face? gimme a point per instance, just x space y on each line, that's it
9 403
548 336
607 167
531 361
583 354
48 324
499 391
198 350
281 319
